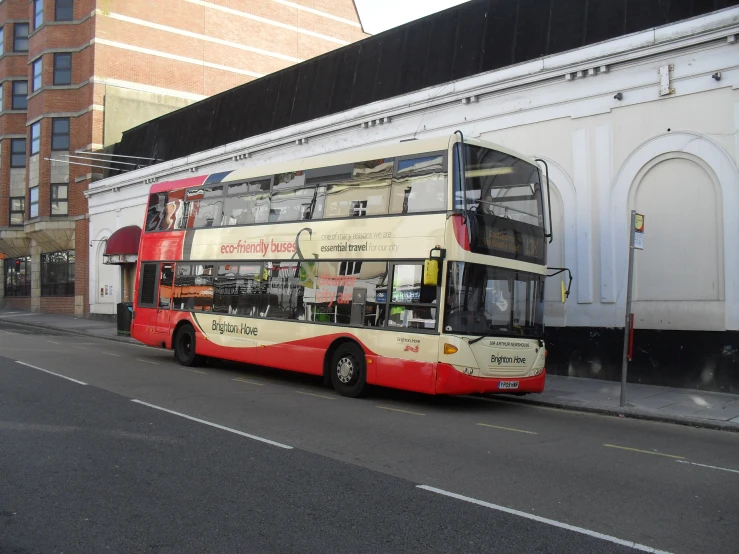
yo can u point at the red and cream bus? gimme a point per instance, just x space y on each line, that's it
418 265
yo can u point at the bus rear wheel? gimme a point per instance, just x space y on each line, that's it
184 346
349 370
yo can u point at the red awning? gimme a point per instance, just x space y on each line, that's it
124 242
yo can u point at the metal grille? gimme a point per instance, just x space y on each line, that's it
148 284
504 371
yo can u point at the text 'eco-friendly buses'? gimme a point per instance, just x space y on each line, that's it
418 265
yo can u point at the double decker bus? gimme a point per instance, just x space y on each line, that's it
418 265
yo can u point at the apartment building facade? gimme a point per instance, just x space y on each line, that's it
75 74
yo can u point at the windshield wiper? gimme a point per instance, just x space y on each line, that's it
488 334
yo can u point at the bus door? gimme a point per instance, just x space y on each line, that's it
166 285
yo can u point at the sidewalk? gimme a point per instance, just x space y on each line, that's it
77 325
712 410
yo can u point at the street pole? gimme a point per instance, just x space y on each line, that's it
627 319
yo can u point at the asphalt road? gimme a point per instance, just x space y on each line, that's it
85 469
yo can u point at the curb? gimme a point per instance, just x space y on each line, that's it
630 413
124 340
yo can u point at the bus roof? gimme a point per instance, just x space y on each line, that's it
404 148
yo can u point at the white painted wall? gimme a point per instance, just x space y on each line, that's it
674 158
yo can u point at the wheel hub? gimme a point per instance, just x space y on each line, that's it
345 370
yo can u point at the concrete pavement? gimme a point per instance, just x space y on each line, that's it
87 470
681 406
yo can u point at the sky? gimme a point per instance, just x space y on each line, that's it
381 15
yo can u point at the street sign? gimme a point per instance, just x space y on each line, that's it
636 242
638 232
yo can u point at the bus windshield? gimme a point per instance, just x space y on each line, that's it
503 198
483 300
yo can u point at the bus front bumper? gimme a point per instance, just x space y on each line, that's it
451 381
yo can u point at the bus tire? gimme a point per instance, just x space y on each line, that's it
184 346
349 370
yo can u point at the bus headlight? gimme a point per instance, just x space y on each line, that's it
450 348
538 371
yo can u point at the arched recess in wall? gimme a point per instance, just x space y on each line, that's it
562 251
100 270
657 176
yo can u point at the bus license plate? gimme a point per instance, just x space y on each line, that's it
508 384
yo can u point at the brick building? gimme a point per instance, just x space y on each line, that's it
74 74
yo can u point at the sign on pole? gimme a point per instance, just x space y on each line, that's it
636 242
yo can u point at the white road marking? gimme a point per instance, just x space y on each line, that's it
644 451
50 372
19 314
507 428
247 435
316 395
595 534
110 353
704 465
398 410
250 382
195 371
147 361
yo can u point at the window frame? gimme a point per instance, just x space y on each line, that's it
386 304
54 187
11 211
389 303
57 9
35 139
55 136
155 298
68 286
38 14
17 97
2 40
37 72
32 203
17 290
16 37
13 154
57 70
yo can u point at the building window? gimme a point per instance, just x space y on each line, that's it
2 41
17 210
57 274
20 95
60 133
37 74
60 199
1 97
64 10
18 276
38 13
33 197
20 37
17 152
62 69
35 138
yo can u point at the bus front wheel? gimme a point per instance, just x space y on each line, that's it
184 346
349 370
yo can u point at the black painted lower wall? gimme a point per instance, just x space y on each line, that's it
703 360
